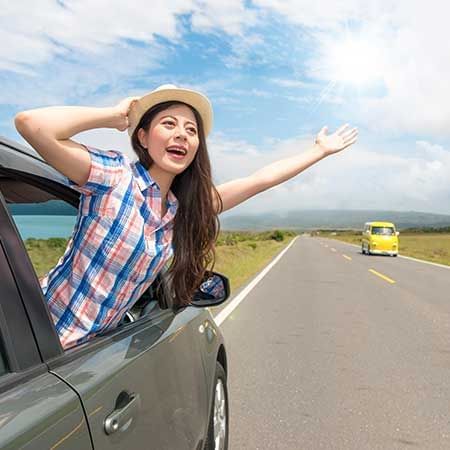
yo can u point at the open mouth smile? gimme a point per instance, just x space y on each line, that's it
177 151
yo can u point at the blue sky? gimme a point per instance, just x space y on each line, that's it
276 72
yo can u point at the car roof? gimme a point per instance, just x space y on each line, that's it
24 159
380 224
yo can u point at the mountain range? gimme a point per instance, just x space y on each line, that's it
332 219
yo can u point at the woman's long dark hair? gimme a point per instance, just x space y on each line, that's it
196 224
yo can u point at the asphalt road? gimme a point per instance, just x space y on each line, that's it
326 354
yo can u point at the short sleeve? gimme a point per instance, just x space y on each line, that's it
107 168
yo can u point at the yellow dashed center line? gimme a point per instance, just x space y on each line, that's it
389 280
347 257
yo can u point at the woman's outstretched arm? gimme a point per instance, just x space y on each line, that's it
48 131
235 192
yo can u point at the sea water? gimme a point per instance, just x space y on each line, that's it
44 227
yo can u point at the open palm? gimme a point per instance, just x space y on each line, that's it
340 139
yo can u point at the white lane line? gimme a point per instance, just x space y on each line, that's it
409 257
238 299
425 262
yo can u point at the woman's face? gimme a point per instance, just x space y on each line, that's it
172 139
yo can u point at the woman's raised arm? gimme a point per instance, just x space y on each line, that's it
48 131
235 192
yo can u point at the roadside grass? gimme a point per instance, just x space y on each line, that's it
244 259
45 253
434 247
239 255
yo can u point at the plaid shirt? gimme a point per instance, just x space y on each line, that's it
118 246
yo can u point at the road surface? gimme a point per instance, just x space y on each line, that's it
333 349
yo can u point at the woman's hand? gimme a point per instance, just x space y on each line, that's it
122 110
337 141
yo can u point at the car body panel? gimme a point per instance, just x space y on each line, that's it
42 412
212 347
25 159
157 362
37 409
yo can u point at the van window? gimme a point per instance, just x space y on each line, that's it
383 231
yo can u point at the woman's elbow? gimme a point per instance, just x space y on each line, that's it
22 121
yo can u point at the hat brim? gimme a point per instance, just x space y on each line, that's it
195 99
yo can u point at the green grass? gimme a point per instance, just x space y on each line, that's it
434 247
239 255
243 260
45 253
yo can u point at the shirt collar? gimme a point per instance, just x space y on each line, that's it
144 181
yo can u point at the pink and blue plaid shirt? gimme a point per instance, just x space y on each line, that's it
119 245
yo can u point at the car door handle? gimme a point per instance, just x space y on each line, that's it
123 416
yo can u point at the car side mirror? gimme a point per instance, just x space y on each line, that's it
397 233
213 291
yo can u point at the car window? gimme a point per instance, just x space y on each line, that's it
383 231
45 223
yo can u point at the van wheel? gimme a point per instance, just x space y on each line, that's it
368 250
362 249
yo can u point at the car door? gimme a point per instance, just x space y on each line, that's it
143 387
37 409
143 384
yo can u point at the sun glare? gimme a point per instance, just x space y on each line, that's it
353 61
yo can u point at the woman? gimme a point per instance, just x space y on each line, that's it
134 216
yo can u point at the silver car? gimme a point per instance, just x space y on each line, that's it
157 381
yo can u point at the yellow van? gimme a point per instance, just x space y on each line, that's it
380 238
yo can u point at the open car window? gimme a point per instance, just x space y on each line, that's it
45 224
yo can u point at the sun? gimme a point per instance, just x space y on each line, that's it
353 60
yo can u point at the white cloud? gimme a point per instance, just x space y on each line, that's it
291 83
231 16
357 178
107 139
82 78
318 15
97 51
35 32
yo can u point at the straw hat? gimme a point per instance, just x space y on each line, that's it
166 93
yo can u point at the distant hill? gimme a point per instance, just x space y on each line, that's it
50 208
330 219
300 219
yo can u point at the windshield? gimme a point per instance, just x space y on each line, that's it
383 231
